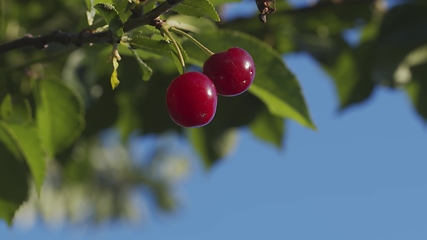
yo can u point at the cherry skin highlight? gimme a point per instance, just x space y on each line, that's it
232 72
191 100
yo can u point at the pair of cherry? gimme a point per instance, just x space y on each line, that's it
191 98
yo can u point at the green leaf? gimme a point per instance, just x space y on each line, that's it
146 70
212 145
331 20
197 8
89 4
149 5
122 7
175 56
2 16
402 30
351 73
412 72
269 128
17 110
350 67
147 31
192 24
417 91
111 16
94 2
8 208
215 140
114 79
127 119
6 108
59 115
13 179
7 141
90 12
357 83
219 2
26 138
274 84
107 11
160 47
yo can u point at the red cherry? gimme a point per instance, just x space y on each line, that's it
232 72
191 100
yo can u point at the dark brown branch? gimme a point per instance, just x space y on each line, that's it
64 38
83 37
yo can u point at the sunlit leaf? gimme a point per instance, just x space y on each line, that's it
197 8
192 24
59 115
114 79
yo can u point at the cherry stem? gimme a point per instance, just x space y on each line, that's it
164 29
200 45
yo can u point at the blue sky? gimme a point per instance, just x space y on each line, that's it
360 176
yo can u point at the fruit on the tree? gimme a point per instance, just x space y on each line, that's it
232 72
191 100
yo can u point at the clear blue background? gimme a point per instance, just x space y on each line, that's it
362 175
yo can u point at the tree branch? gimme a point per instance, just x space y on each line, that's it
86 36
56 37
